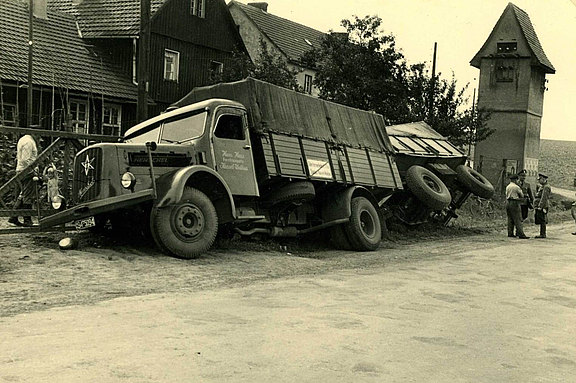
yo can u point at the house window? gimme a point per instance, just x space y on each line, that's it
507 47
216 69
8 115
134 61
505 71
308 83
79 113
111 119
197 7
171 65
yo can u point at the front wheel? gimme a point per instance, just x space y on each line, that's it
364 230
188 228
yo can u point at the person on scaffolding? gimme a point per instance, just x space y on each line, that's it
26 154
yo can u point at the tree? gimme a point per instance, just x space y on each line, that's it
269 67
363 68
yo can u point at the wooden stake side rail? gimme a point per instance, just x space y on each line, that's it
299 157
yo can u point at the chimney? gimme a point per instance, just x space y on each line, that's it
263 6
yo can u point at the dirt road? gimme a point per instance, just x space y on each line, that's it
473 309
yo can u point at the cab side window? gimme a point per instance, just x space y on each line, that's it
229 127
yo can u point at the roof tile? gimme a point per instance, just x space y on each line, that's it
61 57
291 38
106 18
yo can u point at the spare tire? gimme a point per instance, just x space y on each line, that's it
294 192
474 182
428 188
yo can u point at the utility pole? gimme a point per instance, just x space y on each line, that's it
432 87
143 60
29 107
473 123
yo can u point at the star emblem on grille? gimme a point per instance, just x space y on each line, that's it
87 165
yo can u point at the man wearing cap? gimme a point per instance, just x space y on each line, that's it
514 197
528 201
541 204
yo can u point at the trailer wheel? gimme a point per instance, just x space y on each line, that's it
474 182
339 238
364 230
186 229
428 188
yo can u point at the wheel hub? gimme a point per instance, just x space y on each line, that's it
189 221
367 224
432 184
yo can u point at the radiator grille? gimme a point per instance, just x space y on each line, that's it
87 171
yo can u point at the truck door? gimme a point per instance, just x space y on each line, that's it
233 152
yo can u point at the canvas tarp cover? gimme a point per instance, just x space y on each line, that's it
276 109
418 129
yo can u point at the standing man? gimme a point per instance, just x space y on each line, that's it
542 204
514 197
26 154
528 201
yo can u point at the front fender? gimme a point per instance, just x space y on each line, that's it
170 186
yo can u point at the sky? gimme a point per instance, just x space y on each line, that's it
460 27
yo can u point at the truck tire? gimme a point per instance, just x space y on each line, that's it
364 230
294 191
186 229
339 238
474 182
428 188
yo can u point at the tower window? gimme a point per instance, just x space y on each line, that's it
505 71
507 47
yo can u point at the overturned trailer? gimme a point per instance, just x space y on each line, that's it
437 179
245 156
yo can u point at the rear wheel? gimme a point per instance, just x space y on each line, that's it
364 230
186 229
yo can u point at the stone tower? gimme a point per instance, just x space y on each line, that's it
513 68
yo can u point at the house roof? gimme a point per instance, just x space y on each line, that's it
291 38
528 32
61 57
105 18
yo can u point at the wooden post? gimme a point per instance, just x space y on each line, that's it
30 56
143 60
66 161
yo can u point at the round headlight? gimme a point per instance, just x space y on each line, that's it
128 180
57 202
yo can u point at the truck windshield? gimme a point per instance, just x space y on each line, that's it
183 128
175 129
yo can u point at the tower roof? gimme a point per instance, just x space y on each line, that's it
528 33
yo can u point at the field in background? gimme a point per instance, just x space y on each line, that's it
558 161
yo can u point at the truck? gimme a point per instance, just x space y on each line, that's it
246 157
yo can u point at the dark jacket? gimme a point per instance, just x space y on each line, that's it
541 200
